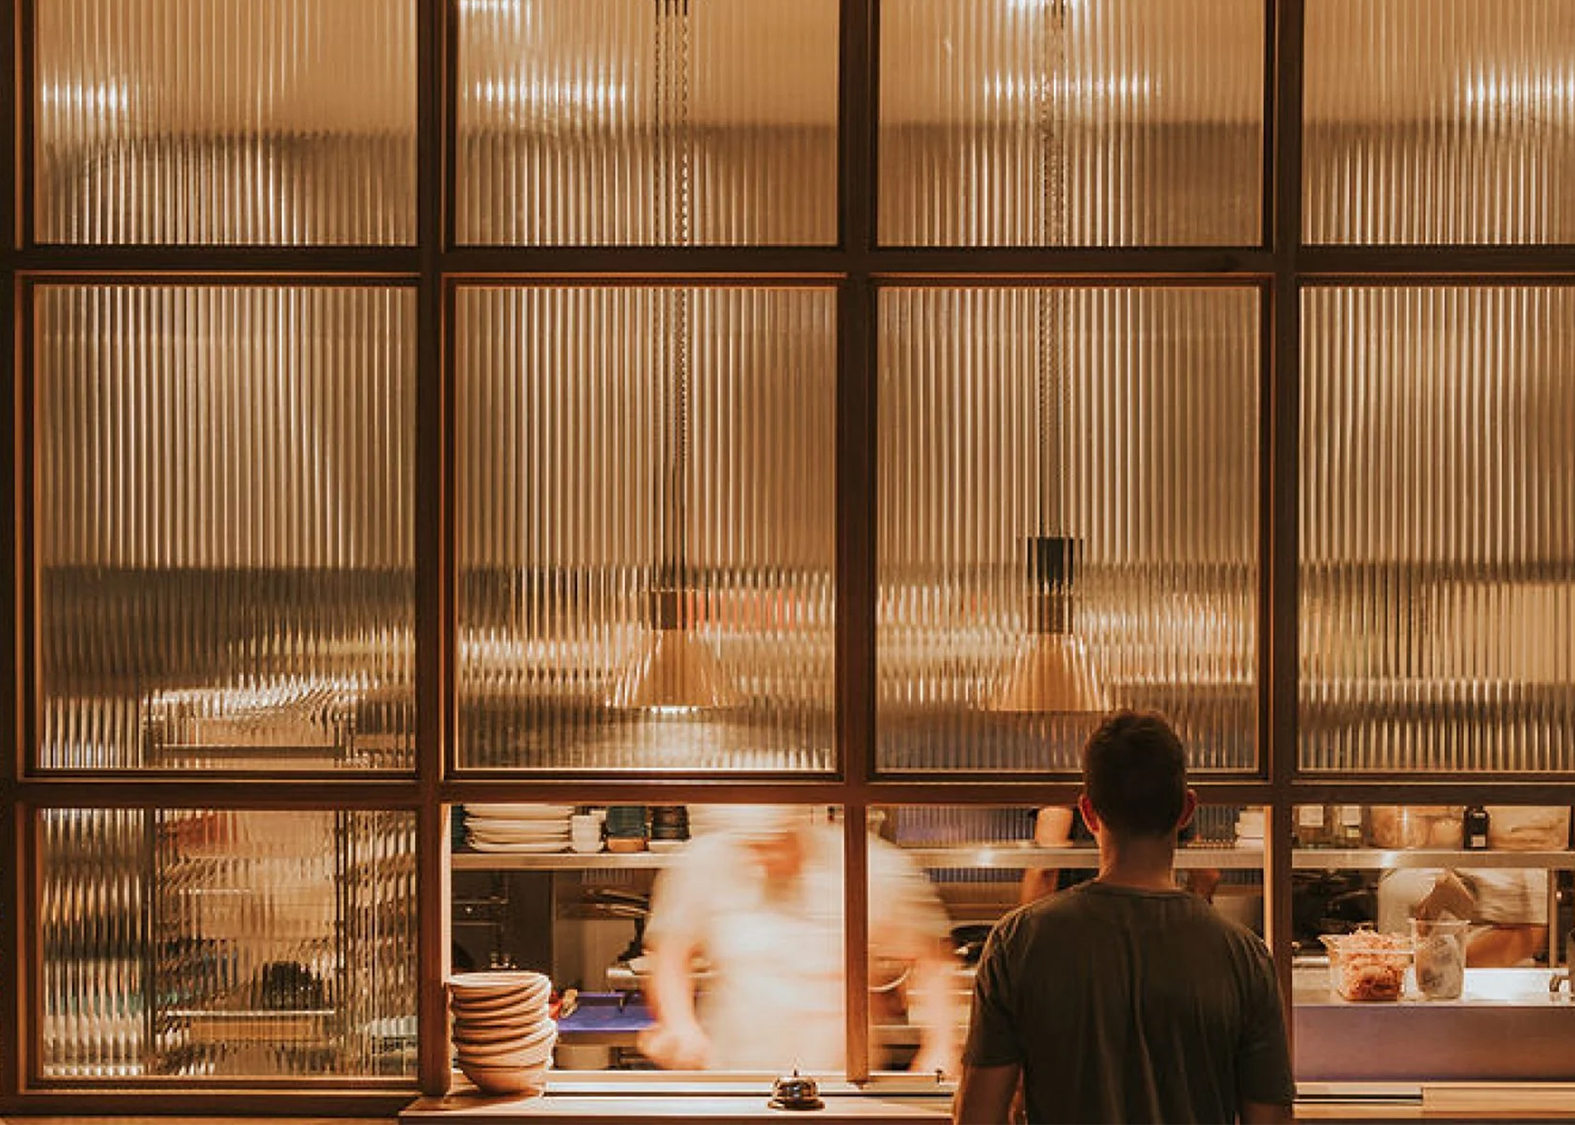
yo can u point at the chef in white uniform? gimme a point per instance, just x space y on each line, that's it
760 899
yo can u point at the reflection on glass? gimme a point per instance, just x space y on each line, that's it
1438 613
224 536
1094 417
1439 121
581 121
638 462
288 123
239 944
1058 123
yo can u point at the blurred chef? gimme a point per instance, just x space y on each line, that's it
760 899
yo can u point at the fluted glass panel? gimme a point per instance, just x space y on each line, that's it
224 535
645 482
1439 121
190 943
94 943
1123 420
1438 551
641 122
1070 123
274 122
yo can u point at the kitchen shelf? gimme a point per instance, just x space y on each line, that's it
1384 858
1015 856
554 861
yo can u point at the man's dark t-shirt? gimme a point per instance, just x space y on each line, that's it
1130 1005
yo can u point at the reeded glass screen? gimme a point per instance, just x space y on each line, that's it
647 122
1439 121
1438 478
285 123
646 528
214 944
225 556
1071 123
1120 424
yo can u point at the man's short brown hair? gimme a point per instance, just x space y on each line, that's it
1135 774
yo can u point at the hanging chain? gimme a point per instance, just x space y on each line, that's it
1051 391
671 200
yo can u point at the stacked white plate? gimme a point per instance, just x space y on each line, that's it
518 828
502 1033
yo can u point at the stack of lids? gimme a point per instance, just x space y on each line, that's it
502 1033
518 828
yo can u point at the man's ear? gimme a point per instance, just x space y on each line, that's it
1090 817
1189 805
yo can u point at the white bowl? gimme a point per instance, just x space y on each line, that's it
486 990
506 1079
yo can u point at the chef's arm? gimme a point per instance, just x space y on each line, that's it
676 1040
932 1009
1052 829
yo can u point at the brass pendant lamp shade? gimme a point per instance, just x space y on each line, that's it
673 672
1051 673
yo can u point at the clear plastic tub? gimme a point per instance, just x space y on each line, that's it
1367 965
1439 946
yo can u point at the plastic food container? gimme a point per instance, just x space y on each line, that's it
1440 951
1367 965
1416 826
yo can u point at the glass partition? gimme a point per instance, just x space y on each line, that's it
1067 123
647 122
1438 608
225 545
1439 924
185 121
1068 479
1439 121
220 944
632 910
646 528
978 864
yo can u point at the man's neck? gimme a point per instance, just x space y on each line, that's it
1143 863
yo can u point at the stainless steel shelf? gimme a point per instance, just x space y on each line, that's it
1020 856
554 861
1383 858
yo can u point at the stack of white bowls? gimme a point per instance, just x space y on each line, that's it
502 1032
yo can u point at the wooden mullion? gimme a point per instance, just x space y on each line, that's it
1278 645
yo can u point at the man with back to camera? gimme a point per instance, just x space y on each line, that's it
1127 998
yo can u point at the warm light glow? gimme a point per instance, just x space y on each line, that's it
100 99
1016 88
575 95
1519 91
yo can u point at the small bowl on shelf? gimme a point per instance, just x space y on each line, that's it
500 1080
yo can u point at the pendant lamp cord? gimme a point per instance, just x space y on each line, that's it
672 207
1050 390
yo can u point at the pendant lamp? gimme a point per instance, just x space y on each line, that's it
1051 672
674 672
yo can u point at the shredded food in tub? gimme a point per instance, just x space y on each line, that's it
1367 965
